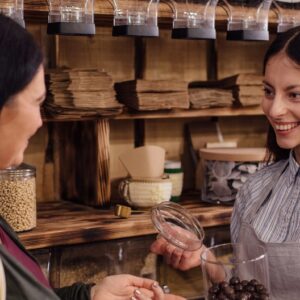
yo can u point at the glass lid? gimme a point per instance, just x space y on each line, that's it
177 225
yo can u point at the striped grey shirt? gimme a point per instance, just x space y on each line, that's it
278 219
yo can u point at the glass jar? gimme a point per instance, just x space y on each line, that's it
235 271
174 171
225 170
177 225
18 197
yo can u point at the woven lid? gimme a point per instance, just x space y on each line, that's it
233 154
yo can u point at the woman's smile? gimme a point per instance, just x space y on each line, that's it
285 127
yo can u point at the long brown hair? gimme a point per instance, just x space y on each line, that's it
289 43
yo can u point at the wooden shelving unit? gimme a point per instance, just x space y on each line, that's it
61 223
66 223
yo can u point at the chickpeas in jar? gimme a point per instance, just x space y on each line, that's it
18 197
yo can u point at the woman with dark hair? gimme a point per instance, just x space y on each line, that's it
267 207
22 91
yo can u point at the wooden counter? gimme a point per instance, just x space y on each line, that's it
65 223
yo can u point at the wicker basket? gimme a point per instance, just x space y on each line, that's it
145 193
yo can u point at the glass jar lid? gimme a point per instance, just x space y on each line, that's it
177 225
21 171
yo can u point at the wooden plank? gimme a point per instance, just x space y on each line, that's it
175 114
240 56
210 112
114 55
173 59
64 223
84 162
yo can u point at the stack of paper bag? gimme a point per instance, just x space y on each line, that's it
153 94
248 89
86 92
240 90
209 97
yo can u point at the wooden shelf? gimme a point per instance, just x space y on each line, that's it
174 114
64 223
210 112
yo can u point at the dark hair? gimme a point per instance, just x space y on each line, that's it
20 58
289 43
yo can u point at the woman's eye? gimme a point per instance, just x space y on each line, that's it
268 93
294 96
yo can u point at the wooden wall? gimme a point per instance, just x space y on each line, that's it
164 59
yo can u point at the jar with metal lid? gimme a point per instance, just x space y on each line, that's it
177 225
174 171
18 196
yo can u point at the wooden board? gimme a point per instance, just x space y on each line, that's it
114 55
193 113
169 59
239 56
84 162
64 223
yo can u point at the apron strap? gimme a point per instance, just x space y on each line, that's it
265 194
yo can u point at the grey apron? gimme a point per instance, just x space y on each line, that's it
284 258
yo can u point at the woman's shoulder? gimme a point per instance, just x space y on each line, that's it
266 173
251 190
256 182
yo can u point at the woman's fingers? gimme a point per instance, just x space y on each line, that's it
176 258
158 293
158 246
173 255
139 295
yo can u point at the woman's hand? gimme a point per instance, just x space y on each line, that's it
176 257
128 287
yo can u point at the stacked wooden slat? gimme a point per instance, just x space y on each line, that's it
80 92
85 175
103 162
146 95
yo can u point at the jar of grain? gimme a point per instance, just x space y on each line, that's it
18 197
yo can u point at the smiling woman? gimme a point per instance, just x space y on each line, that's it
281 103
267 208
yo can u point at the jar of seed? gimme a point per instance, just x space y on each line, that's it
18 197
